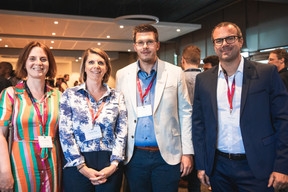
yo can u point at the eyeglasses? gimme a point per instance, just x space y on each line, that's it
142 43
229 40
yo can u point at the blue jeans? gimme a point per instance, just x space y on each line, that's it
73 180
147 171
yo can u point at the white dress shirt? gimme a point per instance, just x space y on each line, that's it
229 132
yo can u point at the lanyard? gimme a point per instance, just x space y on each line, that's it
91 110
147 90
43 120
230 94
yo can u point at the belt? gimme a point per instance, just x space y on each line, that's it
231 156
148 148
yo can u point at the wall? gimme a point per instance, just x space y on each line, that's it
263 24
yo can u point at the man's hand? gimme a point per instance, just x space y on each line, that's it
278 180
203 178
186 165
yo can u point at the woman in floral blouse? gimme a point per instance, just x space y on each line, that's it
93 128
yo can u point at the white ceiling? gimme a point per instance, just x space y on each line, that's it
76 32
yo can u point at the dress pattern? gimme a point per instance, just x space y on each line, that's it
32 172
76 119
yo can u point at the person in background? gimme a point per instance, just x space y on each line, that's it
159 148
64 84
189 63
279 58
93 128
210 61
76 83
240 120
35 163
4 82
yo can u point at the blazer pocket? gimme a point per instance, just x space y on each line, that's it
268 140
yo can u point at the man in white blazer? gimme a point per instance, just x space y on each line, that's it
159 148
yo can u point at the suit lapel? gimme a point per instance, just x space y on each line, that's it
160 83
214 90
248 74
132 74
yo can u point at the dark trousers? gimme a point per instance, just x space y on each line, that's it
147 171
194 184
73 180
235 175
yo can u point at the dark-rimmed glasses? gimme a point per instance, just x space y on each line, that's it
229 40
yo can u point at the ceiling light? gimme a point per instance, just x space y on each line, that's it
53 33
55 22
52 41
129 50
79 57
6 45
178 30
51 47
121 26
76 60
108 36
98 43
0 39
136 20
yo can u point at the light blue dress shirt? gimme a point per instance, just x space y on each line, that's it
229 132
145 134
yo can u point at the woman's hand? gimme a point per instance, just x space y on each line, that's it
6 182
105 173
96 177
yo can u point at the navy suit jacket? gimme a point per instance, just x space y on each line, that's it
263 119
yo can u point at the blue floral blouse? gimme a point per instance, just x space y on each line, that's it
76 120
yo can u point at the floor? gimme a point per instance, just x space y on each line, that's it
203 189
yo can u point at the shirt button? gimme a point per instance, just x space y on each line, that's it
42 183
42 171
135 121
132 136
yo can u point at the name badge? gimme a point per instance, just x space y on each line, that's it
93 133
45 141
144 111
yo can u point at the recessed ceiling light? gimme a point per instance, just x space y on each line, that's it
55 22
178 30
76 60
6 45
121 26
79 57
52 41
108 36
53 33
129 50
98 43
0 39
51 47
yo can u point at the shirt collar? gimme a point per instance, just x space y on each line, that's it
239 69
83 88
19 89
154 69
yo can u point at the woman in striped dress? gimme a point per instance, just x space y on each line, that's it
35 158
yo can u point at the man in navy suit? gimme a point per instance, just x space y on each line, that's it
240 120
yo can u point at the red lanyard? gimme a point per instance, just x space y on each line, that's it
230 95
43 120
148 88
99 110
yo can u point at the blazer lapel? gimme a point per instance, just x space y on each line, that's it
132 74
160 83
214 91
248 74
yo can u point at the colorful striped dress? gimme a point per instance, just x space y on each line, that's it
31 170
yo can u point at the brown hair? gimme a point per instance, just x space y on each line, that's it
281 53
103 54
213 59
224 24
145 28
192 54
21 71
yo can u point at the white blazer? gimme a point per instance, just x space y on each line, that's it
172 113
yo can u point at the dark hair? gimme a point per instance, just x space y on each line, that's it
224 24
192 54
66 75
281 53
103 54
145 28
213 59
21 71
